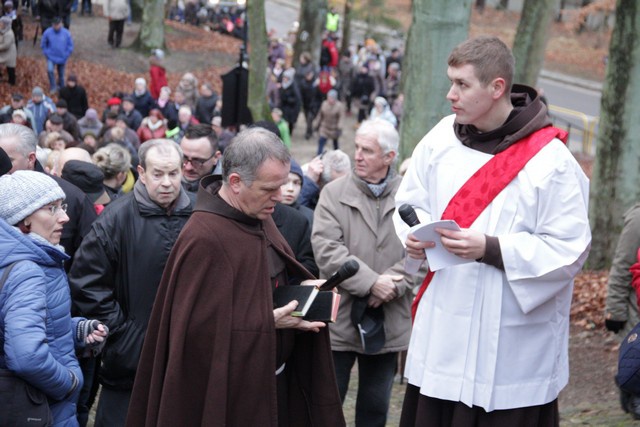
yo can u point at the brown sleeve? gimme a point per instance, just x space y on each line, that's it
492 254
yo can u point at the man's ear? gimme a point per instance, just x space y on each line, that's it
141 175
498 87
235 182
32 160
389 157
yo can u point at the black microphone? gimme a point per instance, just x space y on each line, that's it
345 271
408 215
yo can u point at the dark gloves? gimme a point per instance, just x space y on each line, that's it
614 325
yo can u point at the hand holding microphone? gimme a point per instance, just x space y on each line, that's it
415 255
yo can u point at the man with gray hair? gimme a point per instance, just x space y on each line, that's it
219 348
20 144
353 221
119 265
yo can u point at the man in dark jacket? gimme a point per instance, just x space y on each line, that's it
219 353
76 97
132 116
119 266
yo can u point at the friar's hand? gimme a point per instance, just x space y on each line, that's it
283 319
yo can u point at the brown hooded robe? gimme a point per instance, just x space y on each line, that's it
209 355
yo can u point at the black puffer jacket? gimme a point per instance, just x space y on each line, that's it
116 273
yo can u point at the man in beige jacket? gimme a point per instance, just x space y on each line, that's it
353 221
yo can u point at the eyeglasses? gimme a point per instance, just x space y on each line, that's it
195 162
54 209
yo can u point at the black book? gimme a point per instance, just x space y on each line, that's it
305 295
324 307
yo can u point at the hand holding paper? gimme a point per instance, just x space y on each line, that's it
438 256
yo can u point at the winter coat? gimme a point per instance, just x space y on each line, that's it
8 52
205 107
40 113
290 103
133 119
116 273
351 223
143 104
57 46
117 10
77 102
158 79
35 320
362 87
330 120
621 297
87 125
145 133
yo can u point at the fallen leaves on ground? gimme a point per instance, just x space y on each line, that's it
589 295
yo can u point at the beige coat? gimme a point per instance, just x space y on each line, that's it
351 223
8 51
329 121
116 9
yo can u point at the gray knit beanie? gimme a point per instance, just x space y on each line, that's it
24 192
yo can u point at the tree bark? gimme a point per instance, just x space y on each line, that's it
614 185
313 18
437 27
151 34
346 25
258 62
531 39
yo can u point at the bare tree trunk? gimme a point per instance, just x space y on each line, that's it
503 5
313 17
531 39
258 61
151 34
614 185
346 25
563 4
437 27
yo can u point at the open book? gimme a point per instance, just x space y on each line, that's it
437 257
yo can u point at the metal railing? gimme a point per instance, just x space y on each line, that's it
581 127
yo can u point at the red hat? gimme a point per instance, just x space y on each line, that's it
114 101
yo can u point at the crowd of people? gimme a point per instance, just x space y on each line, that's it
143 242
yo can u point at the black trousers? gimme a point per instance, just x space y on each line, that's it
116 28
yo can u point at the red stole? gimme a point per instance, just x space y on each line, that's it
488 181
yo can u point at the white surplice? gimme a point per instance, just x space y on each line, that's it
482 336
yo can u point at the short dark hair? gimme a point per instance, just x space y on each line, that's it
490 57
202 130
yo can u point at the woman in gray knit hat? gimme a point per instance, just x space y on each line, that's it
40 336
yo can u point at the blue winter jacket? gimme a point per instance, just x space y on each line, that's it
35 321
57 45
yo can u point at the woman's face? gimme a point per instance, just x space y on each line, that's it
47 221
153 119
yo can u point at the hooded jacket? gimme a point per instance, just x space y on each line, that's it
37 336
